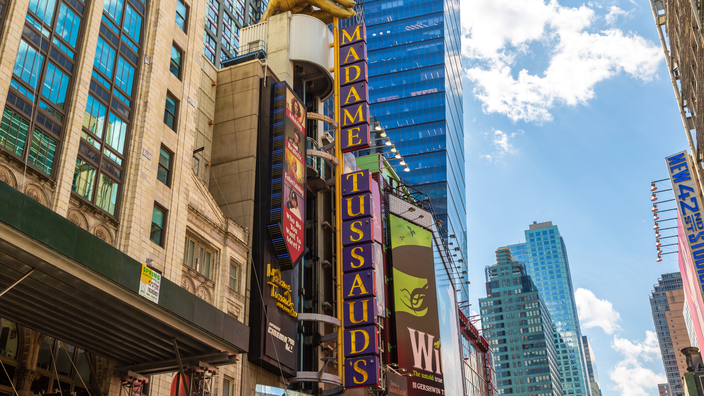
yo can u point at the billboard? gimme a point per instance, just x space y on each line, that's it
288 177
690 281
416 307
278 230
689 213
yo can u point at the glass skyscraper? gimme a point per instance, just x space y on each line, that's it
415 92
545 256
527 363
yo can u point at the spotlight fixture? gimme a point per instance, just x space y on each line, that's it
655 208
406 169
398 155
393 148
654 198
657 234
377 127
657 243
652 186
655 217
388 142
383 133
656 227
402 162
659 259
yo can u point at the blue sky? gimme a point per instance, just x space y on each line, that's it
569 114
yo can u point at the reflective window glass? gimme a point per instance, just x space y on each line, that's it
28 64
42 151
106 196
68 25
55 85
94 116
116 133
13 132
133 24
124 75
83 179
104 57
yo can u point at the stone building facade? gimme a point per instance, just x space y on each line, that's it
108 114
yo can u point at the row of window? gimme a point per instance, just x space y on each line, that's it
196 255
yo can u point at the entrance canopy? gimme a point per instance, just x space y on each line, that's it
79 289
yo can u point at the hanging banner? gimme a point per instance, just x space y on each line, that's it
416 307
288 177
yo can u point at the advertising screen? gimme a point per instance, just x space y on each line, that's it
416 307
288 177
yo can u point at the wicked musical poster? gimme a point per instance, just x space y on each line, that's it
416 307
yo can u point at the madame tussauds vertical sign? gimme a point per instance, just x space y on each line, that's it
359 281
288 178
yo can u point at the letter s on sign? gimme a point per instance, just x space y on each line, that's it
356 367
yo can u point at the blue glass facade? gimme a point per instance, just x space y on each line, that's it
517 324
545 256
415 92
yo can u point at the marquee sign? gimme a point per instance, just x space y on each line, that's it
288 177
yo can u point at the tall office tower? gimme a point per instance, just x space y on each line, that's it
519 329
415 92
545 255
667 304
223 21
591 367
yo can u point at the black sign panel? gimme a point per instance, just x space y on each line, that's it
274 290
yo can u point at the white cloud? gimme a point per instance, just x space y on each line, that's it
630 377
614 13
497 32
502 145
594 312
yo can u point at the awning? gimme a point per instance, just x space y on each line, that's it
85 292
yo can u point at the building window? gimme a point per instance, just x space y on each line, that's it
176 57
40 84
158 220
83 178
228 386
164 172
42 151
108 114
181 15
234 277
199 257
170 112
209 47
13 132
